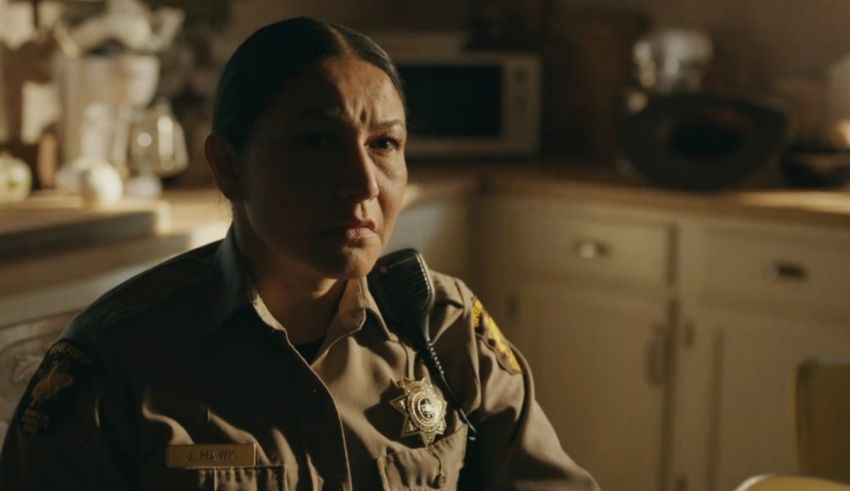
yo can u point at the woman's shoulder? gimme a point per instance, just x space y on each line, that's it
162 290
459 311
451 289
453 304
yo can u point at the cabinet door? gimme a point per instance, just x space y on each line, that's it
751 405
600 370
438 230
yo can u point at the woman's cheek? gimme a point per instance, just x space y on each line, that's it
390 213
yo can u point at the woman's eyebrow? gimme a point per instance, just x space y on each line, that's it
390 124
337 116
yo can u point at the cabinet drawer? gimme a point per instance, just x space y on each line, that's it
778 269
560 242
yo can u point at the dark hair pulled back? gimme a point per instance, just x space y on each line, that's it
275 54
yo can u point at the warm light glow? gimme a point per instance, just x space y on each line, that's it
144 139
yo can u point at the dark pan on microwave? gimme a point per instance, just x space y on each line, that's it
702 142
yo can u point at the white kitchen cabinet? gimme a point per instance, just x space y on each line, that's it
583 291
754 357
761 298
583 288
600 371
440 231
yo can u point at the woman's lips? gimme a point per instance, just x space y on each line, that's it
354 229
353 233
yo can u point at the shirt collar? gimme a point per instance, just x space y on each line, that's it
357 304
237 291
234 286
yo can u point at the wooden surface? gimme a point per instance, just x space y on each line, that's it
791 483
823 429
183 220
831 208
51 221
599 183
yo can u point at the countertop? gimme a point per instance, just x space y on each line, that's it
809 207
196 217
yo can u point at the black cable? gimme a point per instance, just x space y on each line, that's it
432 361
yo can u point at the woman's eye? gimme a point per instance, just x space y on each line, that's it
385 144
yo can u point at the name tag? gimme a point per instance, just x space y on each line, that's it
217 455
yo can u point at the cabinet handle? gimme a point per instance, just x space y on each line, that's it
655 360
590 250
788 271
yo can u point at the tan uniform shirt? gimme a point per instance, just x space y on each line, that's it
180 357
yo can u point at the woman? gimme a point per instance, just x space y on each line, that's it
262 361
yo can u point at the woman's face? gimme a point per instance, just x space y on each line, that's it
323 174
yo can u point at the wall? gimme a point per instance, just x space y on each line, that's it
248 15
776 47
760 44
779 38
766 39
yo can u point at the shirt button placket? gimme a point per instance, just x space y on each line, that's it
320 414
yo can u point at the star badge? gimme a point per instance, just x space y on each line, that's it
424 410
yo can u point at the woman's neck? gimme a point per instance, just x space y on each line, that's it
303 302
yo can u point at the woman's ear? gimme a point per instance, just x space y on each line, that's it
223 161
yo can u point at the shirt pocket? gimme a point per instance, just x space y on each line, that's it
435 467
248 478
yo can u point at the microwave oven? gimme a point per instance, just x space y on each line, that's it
464 103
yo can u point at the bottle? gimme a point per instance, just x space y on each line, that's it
838 129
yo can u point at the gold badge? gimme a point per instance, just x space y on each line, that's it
424 410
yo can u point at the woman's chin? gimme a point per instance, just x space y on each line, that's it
350 260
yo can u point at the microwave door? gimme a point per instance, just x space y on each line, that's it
467 107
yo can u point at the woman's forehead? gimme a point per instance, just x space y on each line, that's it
342 89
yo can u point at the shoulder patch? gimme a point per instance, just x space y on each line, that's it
489 332
50 395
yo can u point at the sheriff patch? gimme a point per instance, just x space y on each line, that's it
489 332
50 396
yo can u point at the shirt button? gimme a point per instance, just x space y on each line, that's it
440 481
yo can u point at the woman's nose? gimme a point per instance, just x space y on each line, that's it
358 180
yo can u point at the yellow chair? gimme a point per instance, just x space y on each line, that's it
790 483
823 418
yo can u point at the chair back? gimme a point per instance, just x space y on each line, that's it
823 418
790 483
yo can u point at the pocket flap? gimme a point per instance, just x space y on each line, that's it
237 478
434 467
